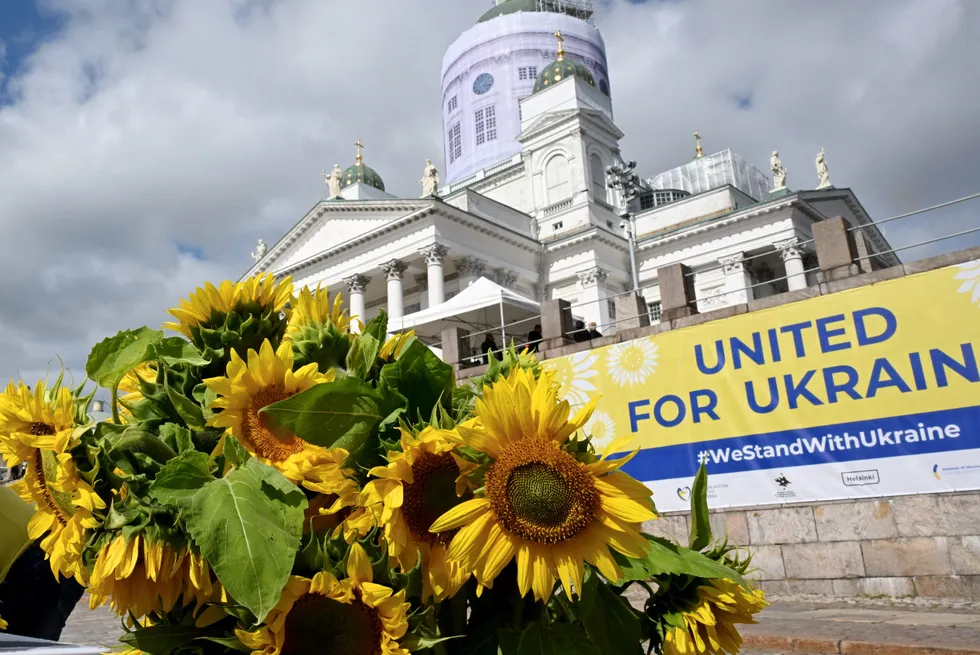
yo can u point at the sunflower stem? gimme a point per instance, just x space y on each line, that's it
115 404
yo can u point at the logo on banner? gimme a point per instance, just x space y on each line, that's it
860 478
935 471
784 491
683 493
966 469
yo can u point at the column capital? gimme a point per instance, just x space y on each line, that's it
434 253
732 263
357 283
789 248
594 275
506 278
393 269
467 266
422 280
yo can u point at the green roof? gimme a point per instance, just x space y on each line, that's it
361 172
514 6
556 71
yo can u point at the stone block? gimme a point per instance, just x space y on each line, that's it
733 525
964 555
767 563
958 514
556 323
837 559
707 317
674 527
864 279
834 244
907 557
891 587
916 516
783 298
855 521
941 261
676 291
787 525
798 587
631 312
948 586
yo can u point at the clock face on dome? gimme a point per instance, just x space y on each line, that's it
483 83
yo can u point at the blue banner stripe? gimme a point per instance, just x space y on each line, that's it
897 436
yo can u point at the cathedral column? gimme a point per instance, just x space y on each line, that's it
393 271
593 304
356 284
793 259
434 256
470 270
738 282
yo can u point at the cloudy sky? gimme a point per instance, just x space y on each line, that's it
145 145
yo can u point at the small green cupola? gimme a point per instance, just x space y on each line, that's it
361 172
561 68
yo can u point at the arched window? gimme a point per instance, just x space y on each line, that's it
598 178
556 179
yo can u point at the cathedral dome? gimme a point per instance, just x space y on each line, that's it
553 6
361 172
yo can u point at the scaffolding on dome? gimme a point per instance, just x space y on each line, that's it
577 8
714 171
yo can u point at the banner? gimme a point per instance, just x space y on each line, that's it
869 392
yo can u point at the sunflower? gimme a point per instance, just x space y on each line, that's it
140 574
709 620
267 378
353 616
394 346
313 309
36 427
418 485
540 504
210 302
130 391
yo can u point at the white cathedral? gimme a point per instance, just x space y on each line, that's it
526 213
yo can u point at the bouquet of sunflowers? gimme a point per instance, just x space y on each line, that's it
281 479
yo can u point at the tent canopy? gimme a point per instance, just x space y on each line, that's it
484 305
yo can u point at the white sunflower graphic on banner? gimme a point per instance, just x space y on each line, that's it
970 275
631 363
602 429
574 375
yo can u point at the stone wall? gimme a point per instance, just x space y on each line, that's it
925 545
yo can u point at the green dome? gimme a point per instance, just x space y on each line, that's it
361 172
556 71
514 6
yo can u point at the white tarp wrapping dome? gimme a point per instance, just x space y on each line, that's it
484 305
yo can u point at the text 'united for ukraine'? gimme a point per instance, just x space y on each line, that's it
905 373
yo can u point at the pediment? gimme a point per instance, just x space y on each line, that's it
553 119
331 223
541 123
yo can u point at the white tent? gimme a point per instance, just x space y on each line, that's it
482 306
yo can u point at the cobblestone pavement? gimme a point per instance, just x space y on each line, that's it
87 627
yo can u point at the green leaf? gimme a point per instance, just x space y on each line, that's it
248 526
164 639
664 557
111 359
177 437
700 523
537 639
338 414
181 477
235 452
175 350
610 622
377 327
421 377
187 408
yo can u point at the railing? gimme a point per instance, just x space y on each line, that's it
557 207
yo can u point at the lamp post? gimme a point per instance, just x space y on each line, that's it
622 178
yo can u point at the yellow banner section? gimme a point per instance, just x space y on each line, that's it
905 346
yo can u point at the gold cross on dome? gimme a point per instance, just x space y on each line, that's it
561 45
698 152
359 146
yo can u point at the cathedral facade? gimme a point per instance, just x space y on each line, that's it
527 202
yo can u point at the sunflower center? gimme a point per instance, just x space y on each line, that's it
631 360
46 470
431 494
276 445
541 493
42 430
317 624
